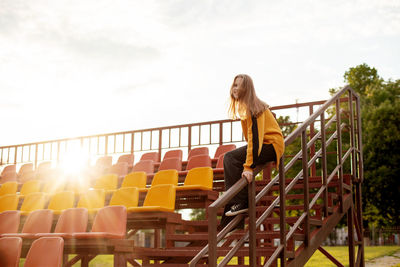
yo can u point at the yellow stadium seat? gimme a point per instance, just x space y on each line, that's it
61 201
135 179
165 177
33 201
93 200
30 186
8 202
108 182
125 196
159 198
8 188
53 186
198 178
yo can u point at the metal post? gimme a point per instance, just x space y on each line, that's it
212 237
252 223
350 233
282 210
306 188
324 164
339 153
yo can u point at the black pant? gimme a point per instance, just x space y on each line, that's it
233 168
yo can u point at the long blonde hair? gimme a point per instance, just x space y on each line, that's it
247 103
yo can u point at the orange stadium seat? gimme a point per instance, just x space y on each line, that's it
154 156
146 166
119 168
202 160
10 251
45 251
128 158
173 154
171 163
222 149
198 151
9 222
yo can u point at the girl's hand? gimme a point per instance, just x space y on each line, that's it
248 175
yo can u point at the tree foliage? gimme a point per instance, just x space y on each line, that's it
381 143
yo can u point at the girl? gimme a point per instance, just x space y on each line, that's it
264 143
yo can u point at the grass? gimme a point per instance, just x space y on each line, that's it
317 260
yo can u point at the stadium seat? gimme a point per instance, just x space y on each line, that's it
146 166
125 196
135 179
101 165
171 163
10 251
61 201
30 186
32 201
53 186
109 222
222 149
9 202
220 162
198 151
8 176
26 176
177 153
8 188
27 167
108 182
203 160
119 168
45 251
9 222
158 198
128 158
93 200
198 178
9 168
73 220
38 221
165 177
154 156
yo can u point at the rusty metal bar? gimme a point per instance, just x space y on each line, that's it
15 154
221 133
324 164
282 210
352 137
313 169
306 187
212 237
339 153
159 145
189 139
106 145
132 142
350 235
252 223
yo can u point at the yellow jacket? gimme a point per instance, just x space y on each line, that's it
268 132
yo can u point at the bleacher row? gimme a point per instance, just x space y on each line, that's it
146 194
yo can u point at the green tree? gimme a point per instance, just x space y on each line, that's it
381 143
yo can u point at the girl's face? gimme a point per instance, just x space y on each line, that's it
236 87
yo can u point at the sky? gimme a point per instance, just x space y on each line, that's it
72 68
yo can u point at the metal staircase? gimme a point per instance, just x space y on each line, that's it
292 214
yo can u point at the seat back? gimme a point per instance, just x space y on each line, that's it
8 188
9 221
38 221
177 153
8 202
33 201
146 166
119 168
111 219
26 176
73 220
53 186
222 149
154 156
171 163
198 151
165 177
107 182
61 201
7 168
125 196
27 167
199 161
30 186
45 251
92 199
162 195
202 176
104 162
135 179
128 158
220 161
10 251
8 176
